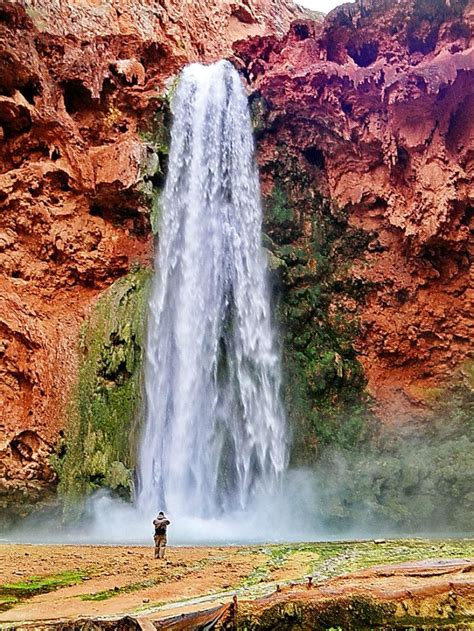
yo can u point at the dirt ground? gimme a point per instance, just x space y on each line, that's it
48 582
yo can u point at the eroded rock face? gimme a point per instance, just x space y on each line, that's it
78 82
27 476
375 108
207 28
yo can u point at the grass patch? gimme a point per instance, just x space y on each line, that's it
151 582
116 591
277 555
257 575
12 593
369 554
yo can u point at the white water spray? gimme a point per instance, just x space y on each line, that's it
215 434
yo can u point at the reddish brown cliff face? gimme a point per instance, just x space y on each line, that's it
374 106
377 106
77 82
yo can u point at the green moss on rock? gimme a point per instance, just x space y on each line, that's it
156 133
324 385
106 408
259 111
156 130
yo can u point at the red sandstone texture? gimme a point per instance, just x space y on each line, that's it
383 90
77 80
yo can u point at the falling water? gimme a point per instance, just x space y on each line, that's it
214 437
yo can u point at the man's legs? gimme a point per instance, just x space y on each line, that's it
162 546
157 547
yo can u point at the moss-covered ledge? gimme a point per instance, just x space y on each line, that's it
106 405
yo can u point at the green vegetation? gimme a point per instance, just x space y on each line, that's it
257 575
282 213
328 559
156 133
277 555
7 601
155 211
324 390
342 557
156 129
258 113
105 412
353 612
116 591
12 593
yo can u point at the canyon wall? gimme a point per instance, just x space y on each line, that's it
365 131
364 128
375 109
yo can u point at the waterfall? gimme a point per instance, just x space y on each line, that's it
215 433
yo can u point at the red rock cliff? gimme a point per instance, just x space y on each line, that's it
377 101
380 98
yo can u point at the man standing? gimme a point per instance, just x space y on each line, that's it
161 523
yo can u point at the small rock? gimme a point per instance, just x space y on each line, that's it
377 541
146 600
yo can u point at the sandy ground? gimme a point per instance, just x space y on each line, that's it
118 580
185 573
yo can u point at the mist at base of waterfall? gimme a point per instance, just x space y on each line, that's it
296 513
273 518
398 491
286 515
